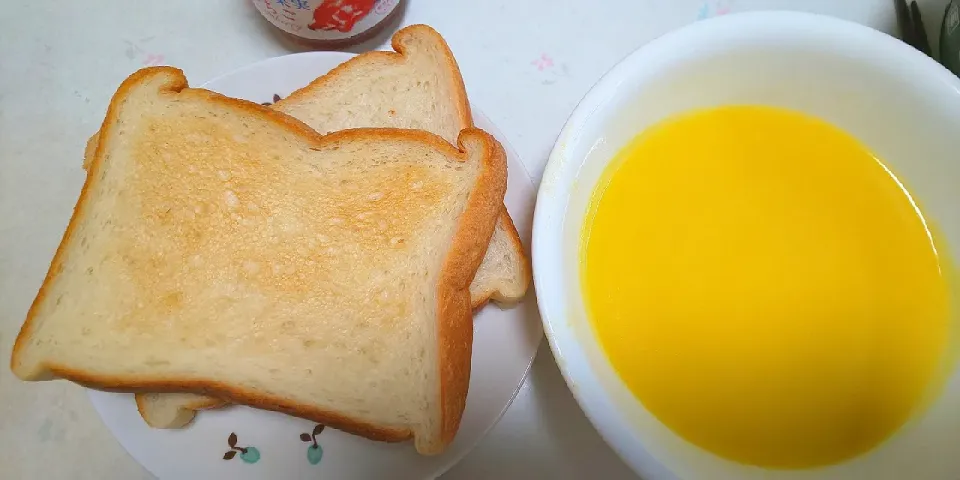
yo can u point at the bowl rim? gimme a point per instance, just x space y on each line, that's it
547 239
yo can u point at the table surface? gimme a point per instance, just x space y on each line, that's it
525 64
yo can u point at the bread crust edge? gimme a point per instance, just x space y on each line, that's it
455 312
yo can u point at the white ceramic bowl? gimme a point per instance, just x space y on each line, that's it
903 105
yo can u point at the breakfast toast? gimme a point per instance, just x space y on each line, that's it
419 87
224 248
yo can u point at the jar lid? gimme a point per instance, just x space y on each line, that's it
329 22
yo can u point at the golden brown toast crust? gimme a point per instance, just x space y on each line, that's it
455 333
455 328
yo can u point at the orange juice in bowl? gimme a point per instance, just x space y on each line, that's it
743 256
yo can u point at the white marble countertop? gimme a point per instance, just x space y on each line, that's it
526 65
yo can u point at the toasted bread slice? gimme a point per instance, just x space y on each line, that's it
419 87
416 87
224 248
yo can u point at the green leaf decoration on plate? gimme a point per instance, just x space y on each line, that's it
314 451
247 454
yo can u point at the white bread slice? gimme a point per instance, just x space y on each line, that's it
220 247
417 87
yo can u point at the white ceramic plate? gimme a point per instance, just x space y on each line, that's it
505 342
903 105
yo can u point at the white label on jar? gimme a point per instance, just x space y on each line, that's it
325 19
